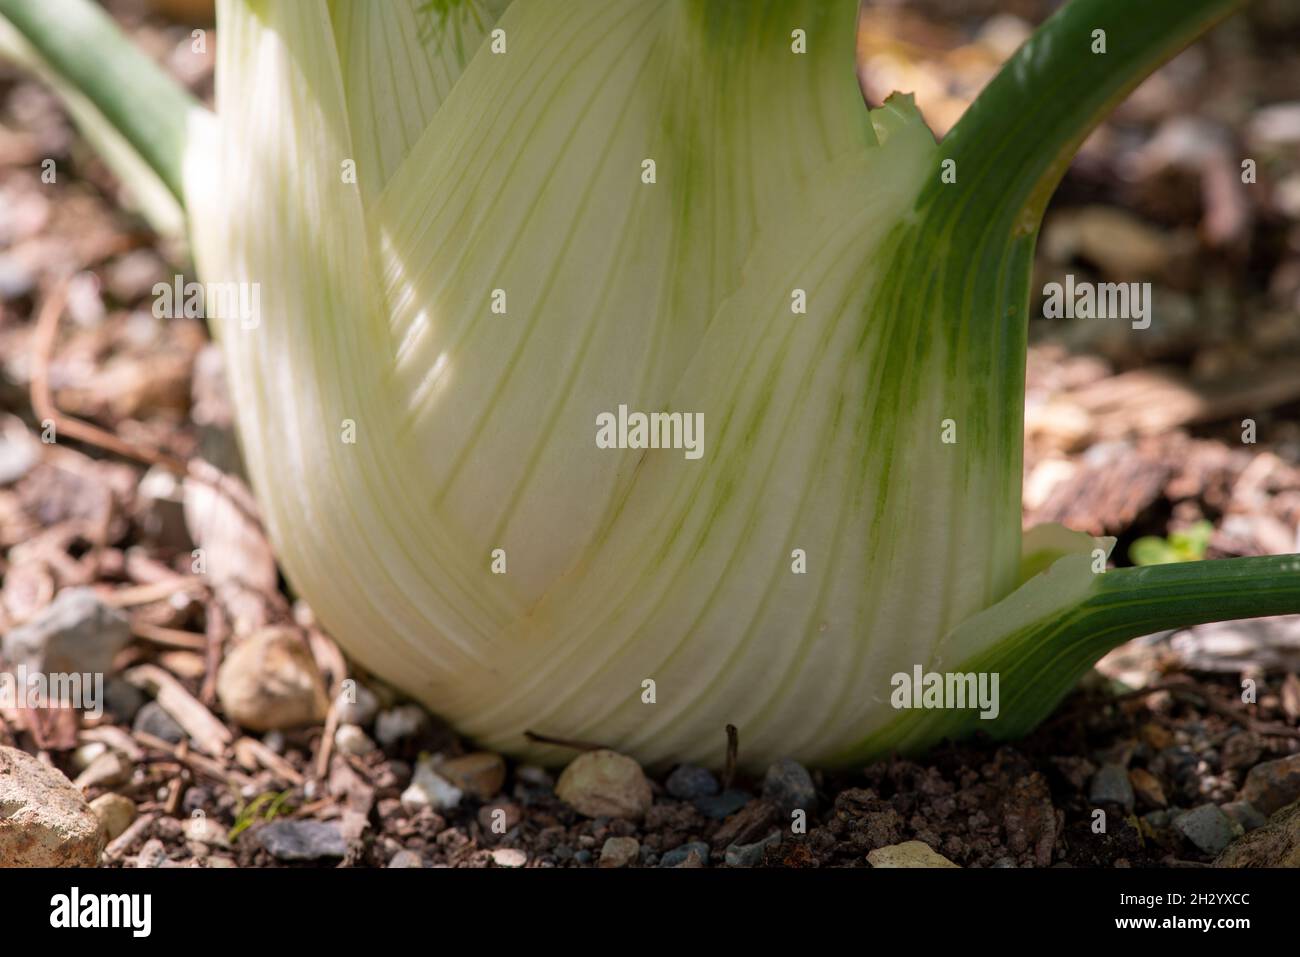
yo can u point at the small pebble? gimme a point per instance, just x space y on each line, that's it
1208 828
1147 787
689 781
499 817
203 830
350 739
406 859
430 789
115 813
152 854
396 724
123 700
1110 785
619 851
789 786
85 755
1157 819
678 854
269 682
509 857
722 805
153 719
302 840
75 634
534 776
751 855
583 857
481 774
108 770
605 783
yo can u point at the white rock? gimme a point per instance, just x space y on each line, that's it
85 755
404 721
430 789
509 857
350 739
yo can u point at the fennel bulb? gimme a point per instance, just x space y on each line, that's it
477 234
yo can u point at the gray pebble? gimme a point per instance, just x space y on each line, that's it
689 781
122 699
583 857
789 786
1157 819
76 633
1208 828
679 854
302 840
751 855
1110 785
722 805
152 719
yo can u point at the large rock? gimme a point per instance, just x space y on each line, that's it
1276 844
270 682
44 820
604 783
75 634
